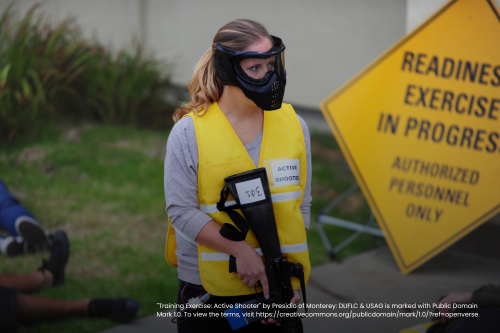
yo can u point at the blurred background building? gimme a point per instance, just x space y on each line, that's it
328 41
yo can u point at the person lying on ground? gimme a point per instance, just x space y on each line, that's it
26 232
18 307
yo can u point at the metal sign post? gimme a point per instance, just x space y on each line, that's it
323 218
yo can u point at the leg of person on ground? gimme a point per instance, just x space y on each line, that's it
51 273
31 308
27 283
27 234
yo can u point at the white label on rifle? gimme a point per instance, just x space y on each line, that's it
286 172
250 191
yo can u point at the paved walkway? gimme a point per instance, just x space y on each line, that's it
373 277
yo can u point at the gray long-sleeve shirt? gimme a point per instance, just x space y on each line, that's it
181 191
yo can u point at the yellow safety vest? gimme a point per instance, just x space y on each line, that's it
221 154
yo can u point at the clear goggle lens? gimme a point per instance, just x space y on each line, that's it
256 68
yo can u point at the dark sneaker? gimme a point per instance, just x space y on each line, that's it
33 233
117 309
58 257
11 246
15 245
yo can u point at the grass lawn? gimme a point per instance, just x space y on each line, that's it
103 185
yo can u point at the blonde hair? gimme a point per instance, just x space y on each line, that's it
204 86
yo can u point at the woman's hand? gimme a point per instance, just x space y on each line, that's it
248 262
295 300
250 267
296 297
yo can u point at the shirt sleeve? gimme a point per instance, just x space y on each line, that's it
305 207
181 179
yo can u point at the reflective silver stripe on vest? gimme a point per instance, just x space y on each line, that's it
277 197
210 209
208 256
294 248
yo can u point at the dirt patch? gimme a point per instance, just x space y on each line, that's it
72 135
154 149
48 169
30 155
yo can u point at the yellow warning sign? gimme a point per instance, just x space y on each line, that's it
420 128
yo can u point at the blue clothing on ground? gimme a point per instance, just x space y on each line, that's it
10 210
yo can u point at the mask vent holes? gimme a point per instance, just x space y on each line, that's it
275 86
276 95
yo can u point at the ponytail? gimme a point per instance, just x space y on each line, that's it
204 87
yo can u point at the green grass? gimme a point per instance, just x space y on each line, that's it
106 192
103 185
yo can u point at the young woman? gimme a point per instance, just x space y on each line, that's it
235 122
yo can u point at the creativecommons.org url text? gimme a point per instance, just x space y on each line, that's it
367 314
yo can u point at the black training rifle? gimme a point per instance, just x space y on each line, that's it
251 192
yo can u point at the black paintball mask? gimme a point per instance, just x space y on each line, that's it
260 75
